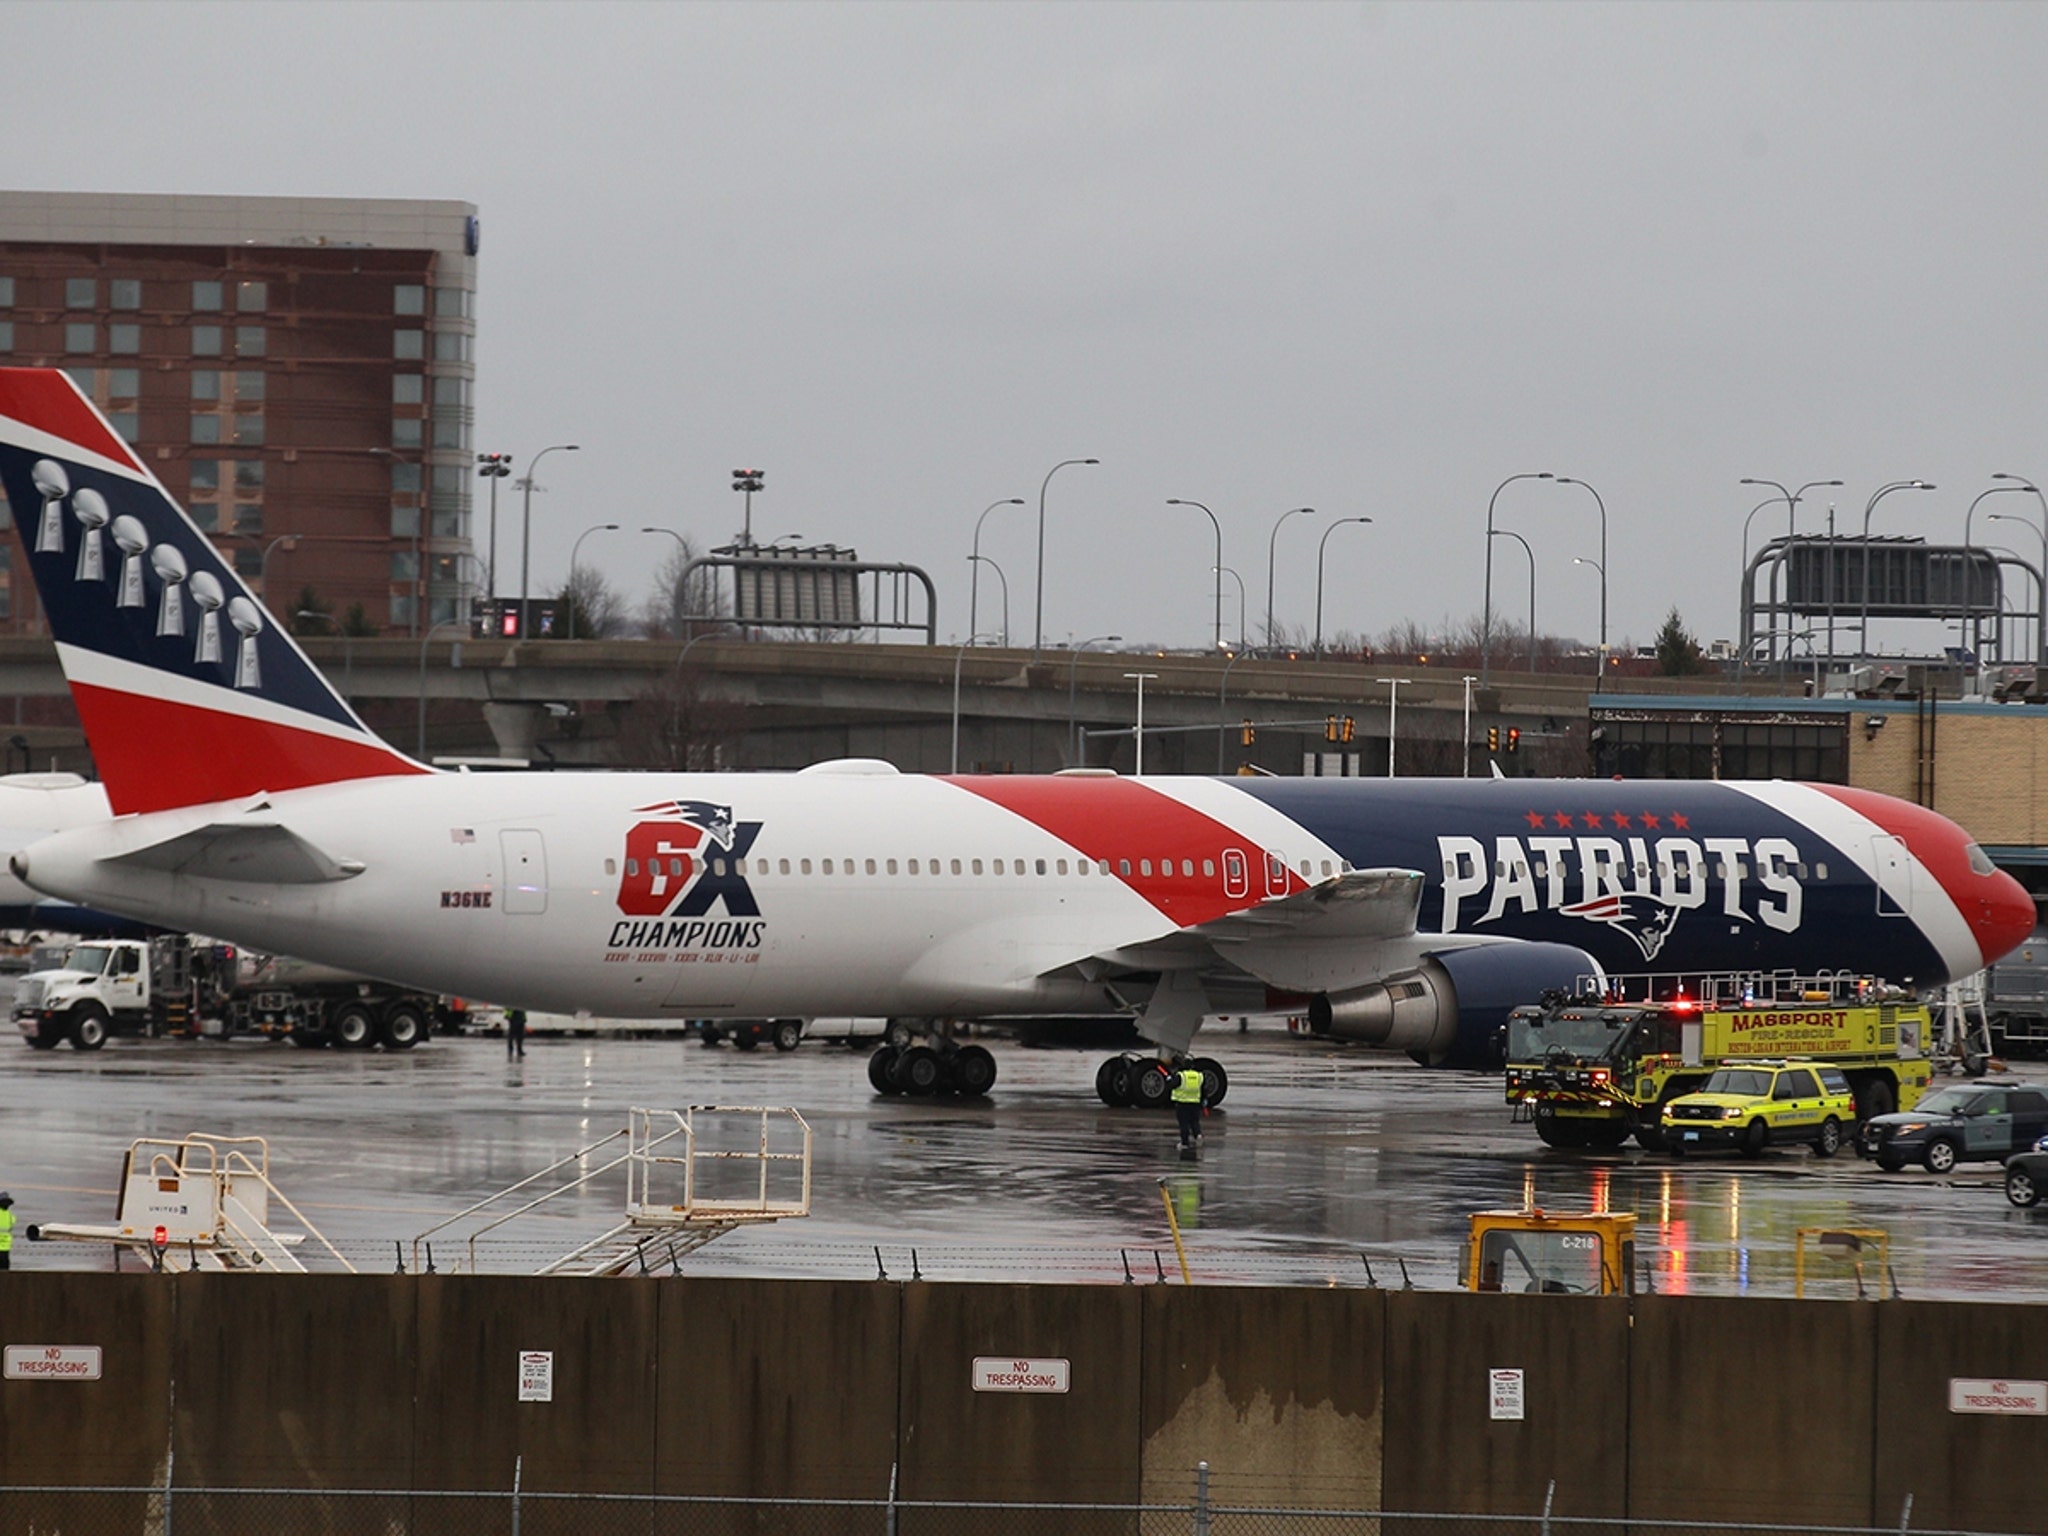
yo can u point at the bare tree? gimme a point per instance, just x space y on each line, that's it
660 615
587 607
671 725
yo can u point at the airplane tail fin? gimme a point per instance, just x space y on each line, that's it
188 690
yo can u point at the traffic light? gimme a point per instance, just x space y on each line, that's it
1493 738
1348 729
1329 727
1514 739
1247 733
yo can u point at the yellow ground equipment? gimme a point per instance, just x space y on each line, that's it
1535 1251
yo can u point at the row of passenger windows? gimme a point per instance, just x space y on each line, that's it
1142 868
1720 870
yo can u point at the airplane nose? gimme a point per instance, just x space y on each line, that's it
2000 914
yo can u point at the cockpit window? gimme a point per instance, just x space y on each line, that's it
1980 861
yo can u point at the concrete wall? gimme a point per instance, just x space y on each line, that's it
1669 1407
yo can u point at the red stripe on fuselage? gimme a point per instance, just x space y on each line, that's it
154 755
1120 820
45 400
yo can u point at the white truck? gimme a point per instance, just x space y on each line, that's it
174 984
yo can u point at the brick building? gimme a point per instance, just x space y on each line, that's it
298 372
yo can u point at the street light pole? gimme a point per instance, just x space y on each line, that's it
959 654
1600 658
1074 752
1966 640
1465 757
493 467
1227 571
575 550
1509 533
1863 620
1181 501
1321 544
981 560
1393 704
1138 772
526 529
348 664
974 573
1601 682
1486 606
2041 612
1271 540
1038 627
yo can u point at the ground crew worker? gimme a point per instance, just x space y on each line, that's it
1187 1104
515 1034
6 1229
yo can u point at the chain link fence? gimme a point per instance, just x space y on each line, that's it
167 1510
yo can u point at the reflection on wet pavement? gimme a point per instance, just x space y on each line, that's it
1322 1161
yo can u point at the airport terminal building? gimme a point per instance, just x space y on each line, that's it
298 371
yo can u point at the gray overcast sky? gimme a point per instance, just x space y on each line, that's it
1371 258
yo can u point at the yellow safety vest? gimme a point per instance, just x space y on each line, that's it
1187 1087
6 1231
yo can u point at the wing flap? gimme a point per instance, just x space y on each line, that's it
1358 904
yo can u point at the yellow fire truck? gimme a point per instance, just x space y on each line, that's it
1592 1069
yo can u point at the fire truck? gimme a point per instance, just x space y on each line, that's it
1590 1068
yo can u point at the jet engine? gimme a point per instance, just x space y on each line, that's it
1450 1010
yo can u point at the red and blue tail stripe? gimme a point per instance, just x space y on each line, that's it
188 690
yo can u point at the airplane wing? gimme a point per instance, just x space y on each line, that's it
265 852
1358 904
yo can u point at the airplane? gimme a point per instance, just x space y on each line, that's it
250 802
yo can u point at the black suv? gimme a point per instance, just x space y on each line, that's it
1960 1122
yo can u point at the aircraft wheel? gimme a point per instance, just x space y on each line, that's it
920 1071
403 1027
881 1070
1215 1081
353 1027
1113 1082
789 1033
1151 1084
899 1033
974 1071
88 1027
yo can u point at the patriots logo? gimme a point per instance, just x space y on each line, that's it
716 820
1644 919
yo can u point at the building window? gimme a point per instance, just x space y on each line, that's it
81 292
252 298
205 384
128 424
248 385
205 476
249 429
207 515
6 335
451 482
205 429
409 299
249 475
248 562
249 520
451 392
6 582
206 341
124 338
405 479
405 433
401 610
87 379
447 523
7 291
81 337
248 341
451 303
405 565
449 434
409 346
405 522
206 295
126 293
124 383
451 347
407 389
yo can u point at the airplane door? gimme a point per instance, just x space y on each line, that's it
526 870
1894 877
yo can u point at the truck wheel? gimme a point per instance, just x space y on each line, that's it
788 1033
1829 1141
354 1029
709 1034
746 1037
1874 1098
1605 1138
404 1027
44 1039
88 1027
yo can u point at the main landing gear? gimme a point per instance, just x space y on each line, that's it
1146 1082
926 1066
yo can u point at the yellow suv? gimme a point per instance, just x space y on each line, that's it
1760 1102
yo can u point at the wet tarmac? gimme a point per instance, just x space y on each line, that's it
1322 1162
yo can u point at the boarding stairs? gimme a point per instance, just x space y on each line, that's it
691 1176
202 1203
